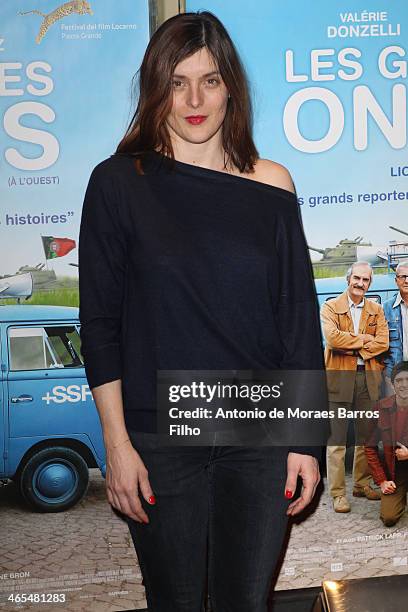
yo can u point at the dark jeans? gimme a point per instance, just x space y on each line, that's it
218 509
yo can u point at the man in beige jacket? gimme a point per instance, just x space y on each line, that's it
356 334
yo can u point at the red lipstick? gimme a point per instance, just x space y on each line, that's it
196 119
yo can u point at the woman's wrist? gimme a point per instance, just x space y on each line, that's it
114 444
314 451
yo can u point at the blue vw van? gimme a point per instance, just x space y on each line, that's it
50 433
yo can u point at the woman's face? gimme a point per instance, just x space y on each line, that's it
199 99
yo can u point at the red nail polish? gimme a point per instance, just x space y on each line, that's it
288 494
152 499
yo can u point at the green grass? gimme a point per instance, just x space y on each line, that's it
69 296
60 297
340 270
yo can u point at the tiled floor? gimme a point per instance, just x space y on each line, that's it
87 554
329 545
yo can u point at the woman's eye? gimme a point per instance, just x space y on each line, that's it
213 82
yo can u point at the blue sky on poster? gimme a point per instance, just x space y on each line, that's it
263 32
89 93
91 101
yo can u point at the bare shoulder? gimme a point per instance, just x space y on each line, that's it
272 173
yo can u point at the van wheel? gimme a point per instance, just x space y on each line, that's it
54 479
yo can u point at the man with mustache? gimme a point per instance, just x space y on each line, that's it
356 334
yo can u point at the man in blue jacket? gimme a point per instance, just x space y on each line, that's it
396 313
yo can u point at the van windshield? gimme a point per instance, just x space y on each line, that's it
38 348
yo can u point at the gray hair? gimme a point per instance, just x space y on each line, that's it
358 263
402 264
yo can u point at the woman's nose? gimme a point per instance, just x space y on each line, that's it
194 96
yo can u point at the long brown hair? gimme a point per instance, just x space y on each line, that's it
176 39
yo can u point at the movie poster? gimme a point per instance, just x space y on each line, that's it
66 74
329 89
328 81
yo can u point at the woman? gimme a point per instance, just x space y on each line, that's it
192 257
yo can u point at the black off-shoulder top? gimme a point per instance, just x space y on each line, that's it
187 268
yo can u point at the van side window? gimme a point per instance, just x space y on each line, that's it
374 298
39 348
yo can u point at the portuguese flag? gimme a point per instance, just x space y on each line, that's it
57 247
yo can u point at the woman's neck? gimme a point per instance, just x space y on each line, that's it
206 155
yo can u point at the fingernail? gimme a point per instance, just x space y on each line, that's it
288 494
152 499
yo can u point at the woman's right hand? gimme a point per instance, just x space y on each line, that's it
126 478
387 487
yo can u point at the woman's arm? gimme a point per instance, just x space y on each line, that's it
299 325
102 270
126 474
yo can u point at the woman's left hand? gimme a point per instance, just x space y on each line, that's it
307 467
